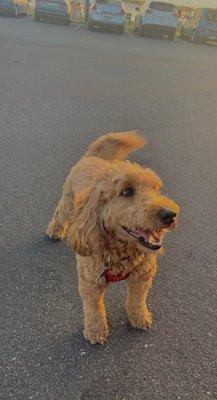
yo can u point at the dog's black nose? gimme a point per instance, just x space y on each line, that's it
166 216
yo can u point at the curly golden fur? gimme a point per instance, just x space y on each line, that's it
111 215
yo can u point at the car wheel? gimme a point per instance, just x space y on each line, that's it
27 10
15 11
140 30
195 38
171 36
182 33
121 30
37 18
67 21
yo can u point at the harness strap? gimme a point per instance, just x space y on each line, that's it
110 277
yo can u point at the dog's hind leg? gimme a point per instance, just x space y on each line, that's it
137 310
60 221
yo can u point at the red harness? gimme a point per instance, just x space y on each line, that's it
110 277
114 278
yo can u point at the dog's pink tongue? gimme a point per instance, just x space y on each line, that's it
144 234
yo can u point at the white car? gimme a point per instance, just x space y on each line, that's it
107 14
157 17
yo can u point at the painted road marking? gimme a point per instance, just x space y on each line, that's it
78 27
24 19
130 34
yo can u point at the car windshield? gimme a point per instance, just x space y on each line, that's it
212 15
160 6
53 1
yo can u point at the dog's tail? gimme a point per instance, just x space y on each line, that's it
116 146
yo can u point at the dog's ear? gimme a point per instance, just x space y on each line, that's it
86 229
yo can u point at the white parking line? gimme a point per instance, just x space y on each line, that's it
24 19
130 34
212 43
78 27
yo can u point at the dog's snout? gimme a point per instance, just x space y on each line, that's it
166 216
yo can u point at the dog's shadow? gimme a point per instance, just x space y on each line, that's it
70 360
33 247
60 357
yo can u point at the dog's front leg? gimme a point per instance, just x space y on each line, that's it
95 323
137 310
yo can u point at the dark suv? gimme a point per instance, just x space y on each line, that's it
200 25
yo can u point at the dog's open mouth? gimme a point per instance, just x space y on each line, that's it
150 239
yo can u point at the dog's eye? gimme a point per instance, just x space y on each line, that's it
127 192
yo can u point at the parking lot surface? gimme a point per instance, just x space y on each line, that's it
60 87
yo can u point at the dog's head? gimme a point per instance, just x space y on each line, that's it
125 204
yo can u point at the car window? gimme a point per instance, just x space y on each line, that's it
53 1
196 14
212 15
115 2
161 6
191 14
143 8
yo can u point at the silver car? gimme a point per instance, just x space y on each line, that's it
14 8
157 17
107 14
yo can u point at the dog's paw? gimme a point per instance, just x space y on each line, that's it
96 336
55 233
142 320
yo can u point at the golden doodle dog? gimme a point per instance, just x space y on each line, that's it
114 216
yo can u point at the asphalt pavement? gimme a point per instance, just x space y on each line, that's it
60 87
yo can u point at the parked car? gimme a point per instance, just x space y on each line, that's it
14 8
107 14
157 17
58 10
200 25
